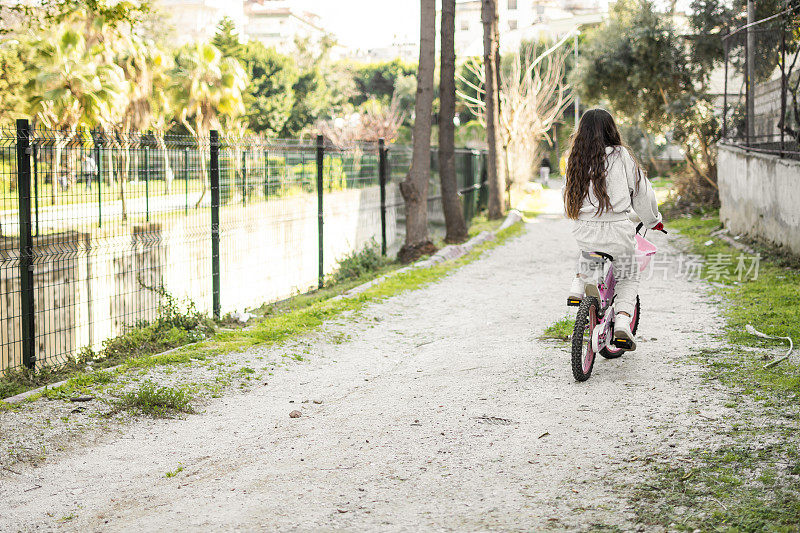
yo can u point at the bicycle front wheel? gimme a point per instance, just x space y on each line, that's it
582 352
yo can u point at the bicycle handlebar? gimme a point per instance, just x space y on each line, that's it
639 227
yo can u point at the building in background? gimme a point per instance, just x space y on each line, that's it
398 49
277 24
196 20
522 20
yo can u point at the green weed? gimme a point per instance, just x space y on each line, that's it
174 473
560 329
151 399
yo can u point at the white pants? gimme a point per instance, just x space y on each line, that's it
616 239
544 173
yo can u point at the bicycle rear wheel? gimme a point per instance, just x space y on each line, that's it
582 353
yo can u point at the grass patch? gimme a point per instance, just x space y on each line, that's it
560 329
153 400
738 487
481 223
770 302
176 324
752 483
79 384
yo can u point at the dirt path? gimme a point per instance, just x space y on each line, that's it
443 411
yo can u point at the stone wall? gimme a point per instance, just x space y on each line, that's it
90 285
760 196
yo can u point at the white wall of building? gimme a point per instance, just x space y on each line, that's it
523 20
277 24
196 20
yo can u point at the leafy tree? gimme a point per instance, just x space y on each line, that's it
227 39
54 12
319 88
269 97
378 80
638 64
73 87
208 90
12 82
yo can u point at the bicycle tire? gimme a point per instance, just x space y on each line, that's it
612 352
583 356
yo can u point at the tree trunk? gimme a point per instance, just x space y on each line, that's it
415 187
453 213
492 97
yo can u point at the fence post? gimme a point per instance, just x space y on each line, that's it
146 182
214 179
321 242
469 184
97 153
382 182
782 122
36 184
186 180
483 197
266 174
25 244
725 93
244 176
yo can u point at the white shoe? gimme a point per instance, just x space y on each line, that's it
623 336
576 292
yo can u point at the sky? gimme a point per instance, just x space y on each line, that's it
367 23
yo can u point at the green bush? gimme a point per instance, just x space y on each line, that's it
360 263
174 326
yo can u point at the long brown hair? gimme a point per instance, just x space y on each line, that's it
586 164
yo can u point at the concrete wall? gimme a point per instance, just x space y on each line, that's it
760 196
88 285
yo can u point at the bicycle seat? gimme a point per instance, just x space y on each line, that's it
597 256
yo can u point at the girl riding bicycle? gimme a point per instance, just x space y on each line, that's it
604 184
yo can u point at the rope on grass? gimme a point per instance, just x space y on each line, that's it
753 331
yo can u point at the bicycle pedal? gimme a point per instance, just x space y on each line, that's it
573 302
625 344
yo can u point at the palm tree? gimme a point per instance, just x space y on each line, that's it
415 187
146 69
72 87
208 87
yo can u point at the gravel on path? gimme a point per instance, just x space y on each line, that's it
442 411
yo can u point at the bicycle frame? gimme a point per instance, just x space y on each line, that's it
596 314
604 291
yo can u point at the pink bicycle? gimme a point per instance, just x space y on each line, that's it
594 323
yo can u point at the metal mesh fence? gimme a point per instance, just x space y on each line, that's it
767 53
93 224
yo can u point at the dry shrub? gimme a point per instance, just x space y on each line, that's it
691 194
